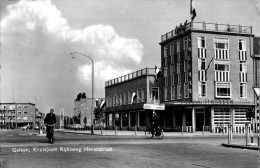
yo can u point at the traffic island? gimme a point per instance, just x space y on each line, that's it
252 147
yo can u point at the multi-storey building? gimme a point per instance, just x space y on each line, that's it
120 110
208 76
13 115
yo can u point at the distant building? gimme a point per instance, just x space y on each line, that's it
83 108
120 111
17 115
208 76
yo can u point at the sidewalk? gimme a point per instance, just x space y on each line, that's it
237 142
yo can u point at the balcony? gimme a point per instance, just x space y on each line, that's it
130 76
209 27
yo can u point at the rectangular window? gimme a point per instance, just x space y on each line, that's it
178 67
243 88
19 112
155 93
179 91
165 61
172 59
242 45
124 120
117 120
243 67
223 89
179 78
221 43
165 50
114 100
185 43
186 90
25 112
172 49
120 100
172 71
202 87
142 94
25 106
124 98
117 100
166 82
25 118
138 96
172 92
129 97
110 120
201 42
165 72
201 64
172 80
178 47
221 65
165 94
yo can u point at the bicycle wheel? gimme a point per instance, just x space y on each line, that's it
148 133
161 134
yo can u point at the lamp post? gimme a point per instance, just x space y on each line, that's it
73 56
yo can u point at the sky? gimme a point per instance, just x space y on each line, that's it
37 37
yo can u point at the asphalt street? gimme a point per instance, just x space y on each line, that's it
25 149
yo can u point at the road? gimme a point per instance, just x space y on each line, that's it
25 150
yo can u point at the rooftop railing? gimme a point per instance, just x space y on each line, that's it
130 76
209 27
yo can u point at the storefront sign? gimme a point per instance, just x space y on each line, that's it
154 106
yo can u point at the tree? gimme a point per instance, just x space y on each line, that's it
83 95
74 119
99 115
79 97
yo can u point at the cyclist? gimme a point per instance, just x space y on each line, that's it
154 123
49 120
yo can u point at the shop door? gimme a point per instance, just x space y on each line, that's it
200 119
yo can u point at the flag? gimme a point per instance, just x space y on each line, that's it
102 105
134 96
158 72
192 10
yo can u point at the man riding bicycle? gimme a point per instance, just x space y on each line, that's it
49 121
154 123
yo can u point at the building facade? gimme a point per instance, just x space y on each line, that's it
121 111
14 115
83 110
208 76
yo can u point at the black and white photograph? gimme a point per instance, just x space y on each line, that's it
129 83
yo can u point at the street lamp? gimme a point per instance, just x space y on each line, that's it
73 57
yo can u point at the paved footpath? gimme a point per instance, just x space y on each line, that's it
237 140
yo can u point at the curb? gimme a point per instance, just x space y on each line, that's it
240 146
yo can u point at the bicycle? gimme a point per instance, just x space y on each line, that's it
157 133
51 133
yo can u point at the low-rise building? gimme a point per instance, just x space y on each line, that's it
123 111
13 115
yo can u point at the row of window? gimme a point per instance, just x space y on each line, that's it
12 107
13 118
125 98
13 112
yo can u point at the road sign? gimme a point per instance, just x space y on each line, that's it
154 106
